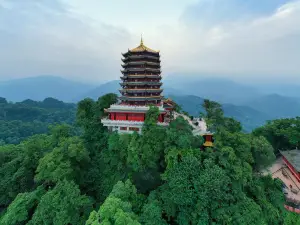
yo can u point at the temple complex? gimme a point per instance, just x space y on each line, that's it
140 88
287 169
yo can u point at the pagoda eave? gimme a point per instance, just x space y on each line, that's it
136 99
141 90
141 76
133 108
141 83
133 70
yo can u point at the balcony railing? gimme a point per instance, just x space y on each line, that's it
108 122
133 107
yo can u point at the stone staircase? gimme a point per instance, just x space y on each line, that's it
197 130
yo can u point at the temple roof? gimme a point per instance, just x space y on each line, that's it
293 156
142 48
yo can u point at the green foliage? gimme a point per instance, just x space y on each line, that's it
62 205
21 120
20 210
98 176
63 162
118 207
214 114
283 134
262 151
89 116
17 167
158 177
292 219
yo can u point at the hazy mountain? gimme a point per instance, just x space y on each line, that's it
277 106
290 90
249 117
114 87
39 88
247 104
217 89
95 93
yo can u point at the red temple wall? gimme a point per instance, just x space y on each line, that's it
160 118
208 138
136 116
292 209
132 116
112 116
121 116
292 169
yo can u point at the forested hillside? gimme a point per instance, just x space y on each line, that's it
23 119
160 177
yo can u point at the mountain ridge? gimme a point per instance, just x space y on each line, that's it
253 111
40 87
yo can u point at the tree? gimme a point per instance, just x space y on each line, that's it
118 207
214 114
283 134
89 116
292 219
152 212
65 162
89 175
17 167
62 205
263 152
21 209
179 135
112 159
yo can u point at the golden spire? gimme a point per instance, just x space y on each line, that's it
142 42
142 47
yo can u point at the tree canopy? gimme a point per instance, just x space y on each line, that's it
161 176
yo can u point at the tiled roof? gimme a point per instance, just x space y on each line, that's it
142 48
293 156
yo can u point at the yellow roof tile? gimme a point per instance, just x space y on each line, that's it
142 48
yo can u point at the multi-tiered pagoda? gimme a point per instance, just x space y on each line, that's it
140 88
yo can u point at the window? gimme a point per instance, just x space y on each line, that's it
123 128
134 128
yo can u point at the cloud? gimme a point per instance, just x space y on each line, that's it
247 39
212 12
264 47
43 37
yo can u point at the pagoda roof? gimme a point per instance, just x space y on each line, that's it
142 63
141 76
140 69
143 48
131 108
139 83
128 57
293 157
140 90
142 98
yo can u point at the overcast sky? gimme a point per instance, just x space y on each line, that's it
83 39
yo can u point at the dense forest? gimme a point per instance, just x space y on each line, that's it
24 119
75 172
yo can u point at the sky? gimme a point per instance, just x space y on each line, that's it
249 40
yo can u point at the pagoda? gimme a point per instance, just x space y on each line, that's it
140 88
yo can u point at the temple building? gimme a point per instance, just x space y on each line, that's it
140 88
292 161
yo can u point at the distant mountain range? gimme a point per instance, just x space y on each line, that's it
249 117
39 88
250 105
218 89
